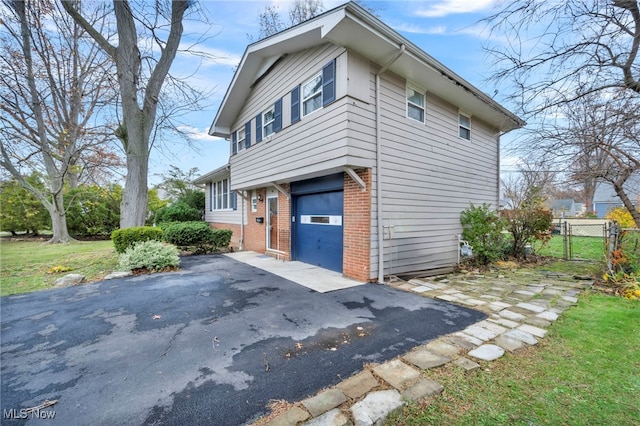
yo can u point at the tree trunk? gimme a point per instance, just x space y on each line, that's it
133 208
59 221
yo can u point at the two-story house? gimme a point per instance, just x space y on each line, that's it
352 149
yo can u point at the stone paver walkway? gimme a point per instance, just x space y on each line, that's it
520 305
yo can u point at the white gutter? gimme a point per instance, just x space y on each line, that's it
379 167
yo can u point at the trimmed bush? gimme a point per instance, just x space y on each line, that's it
482 228
125 238
178 212
222 237
197 237
152 255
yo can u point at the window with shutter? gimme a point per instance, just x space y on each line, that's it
329 83
258 128
295 104
277 115
247 134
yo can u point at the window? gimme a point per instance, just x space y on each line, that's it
254 201
415 104
241 139
221 196
268 119
465 126
312 95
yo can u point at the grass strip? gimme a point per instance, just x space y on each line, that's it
585 372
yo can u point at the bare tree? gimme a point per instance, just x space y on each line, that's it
55 82
140 80
270 22
561 55
303 10
300 10
558 52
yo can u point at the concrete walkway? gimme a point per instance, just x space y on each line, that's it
310 276
520 305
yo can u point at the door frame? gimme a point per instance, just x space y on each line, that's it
269 243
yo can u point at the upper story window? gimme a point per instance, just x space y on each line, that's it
241 139
317 92
415 104
464 126
312 95
268 120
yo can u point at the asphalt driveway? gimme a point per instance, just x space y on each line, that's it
210 344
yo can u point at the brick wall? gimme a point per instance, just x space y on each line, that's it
356 261
284 223
235 228
254 233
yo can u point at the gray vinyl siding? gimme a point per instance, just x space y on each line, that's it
429 176
224 216
322 142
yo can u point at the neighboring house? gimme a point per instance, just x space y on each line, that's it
605 197
353 149
564 208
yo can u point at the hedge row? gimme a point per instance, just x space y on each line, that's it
196 237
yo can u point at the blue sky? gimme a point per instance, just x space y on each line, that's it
449 30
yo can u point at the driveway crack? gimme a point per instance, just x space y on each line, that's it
173 338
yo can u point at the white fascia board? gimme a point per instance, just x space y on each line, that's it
220 172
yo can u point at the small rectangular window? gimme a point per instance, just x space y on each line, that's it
415 104
254 201
241 140
465 126
312 95
268 118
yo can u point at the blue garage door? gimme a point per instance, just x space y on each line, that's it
318 228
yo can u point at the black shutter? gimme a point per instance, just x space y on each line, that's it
258 128
295 104
247 134
277 116
329 83
234 200
234 143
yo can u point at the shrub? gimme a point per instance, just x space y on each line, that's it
194 198
93 210
483 230
152 255
622 216
178 212
125 238
222 237
197 237
526 225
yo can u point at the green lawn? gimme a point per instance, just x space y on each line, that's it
585 372
25 264
584 248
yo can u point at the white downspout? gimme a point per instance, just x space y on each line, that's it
241 245
379 167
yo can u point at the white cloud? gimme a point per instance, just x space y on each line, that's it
450 7
197 134
418 29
